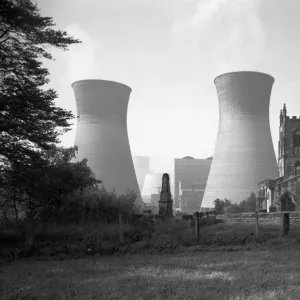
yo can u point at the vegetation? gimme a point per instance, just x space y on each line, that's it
220 267
225 206
29 119
32 194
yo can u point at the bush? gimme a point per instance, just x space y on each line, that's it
178 233
97 206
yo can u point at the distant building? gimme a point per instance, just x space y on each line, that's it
283 193
154 199
190 180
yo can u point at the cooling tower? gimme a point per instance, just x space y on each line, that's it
244 153
101 134
152 184
142 168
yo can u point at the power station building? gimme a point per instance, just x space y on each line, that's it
283 193
101 134
190 180
244 153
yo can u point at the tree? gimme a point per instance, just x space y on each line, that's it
29 119
42 191
219 206
249 204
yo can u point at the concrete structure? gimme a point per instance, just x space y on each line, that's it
142 168
154 199
244 153
165 201
152 185
190 173
283 193
101 134
191 195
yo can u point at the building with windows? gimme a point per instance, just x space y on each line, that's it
190 176
283 193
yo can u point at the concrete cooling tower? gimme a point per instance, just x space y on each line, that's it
244 153
101 134
142 168
152 184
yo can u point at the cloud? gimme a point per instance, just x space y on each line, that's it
82 57
227 33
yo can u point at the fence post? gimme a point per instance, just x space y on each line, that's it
256 224
121 229
197 225
286 223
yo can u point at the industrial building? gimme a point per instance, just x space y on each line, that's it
283 193
101 134
190 180
244 153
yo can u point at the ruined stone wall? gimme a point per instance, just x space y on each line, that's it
263 217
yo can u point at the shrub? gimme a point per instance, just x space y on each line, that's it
97 206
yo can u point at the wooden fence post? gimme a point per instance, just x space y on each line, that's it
286 223
256 224
121 229
197 225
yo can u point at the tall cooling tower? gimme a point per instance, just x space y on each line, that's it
244 153
142 168
101 134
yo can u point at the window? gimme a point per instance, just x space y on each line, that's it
296 141
297 167
297 138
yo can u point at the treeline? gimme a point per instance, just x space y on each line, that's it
225 206
58 192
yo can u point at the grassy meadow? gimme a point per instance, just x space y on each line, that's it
228 263
256 274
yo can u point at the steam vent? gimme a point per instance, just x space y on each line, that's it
244 153
101 134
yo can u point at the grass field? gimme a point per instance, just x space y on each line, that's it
256 274
267 268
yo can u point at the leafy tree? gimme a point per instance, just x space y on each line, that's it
97 205
225 206
29 119
249 204
40 192
219 206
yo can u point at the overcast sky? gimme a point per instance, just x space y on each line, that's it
169 52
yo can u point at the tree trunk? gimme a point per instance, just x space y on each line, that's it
30 235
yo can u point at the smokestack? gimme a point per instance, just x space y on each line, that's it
101 134
244 153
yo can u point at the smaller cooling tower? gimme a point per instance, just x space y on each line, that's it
152 184
142 168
